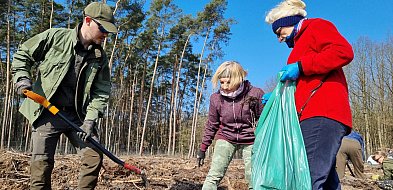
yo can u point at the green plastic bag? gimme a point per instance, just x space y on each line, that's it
279 159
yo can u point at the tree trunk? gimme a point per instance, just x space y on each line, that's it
150 94
7 76
51 15
140 107
176 92
194 117
171 107
70 14
11 116
132 90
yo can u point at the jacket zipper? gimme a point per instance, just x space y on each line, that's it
234 117
77 87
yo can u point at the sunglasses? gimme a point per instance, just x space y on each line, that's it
100 27
278 32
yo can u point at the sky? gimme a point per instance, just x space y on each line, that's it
257 49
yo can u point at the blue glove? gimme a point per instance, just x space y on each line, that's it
266 97
291 72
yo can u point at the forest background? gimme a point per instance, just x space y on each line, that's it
161 62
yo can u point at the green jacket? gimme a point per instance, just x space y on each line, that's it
387 166
52 51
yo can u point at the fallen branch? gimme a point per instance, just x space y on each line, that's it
18 174
140 181
18 154
15 180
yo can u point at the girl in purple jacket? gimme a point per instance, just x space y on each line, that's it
234 111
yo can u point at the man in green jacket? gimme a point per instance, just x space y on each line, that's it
72 71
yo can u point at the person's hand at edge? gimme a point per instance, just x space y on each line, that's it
200 158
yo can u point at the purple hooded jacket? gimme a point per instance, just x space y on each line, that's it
233 120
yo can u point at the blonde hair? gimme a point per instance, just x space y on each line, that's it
232 70
286 8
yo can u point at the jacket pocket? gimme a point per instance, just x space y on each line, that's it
54 59
49 67
52 71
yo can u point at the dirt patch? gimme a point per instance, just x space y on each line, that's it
162 172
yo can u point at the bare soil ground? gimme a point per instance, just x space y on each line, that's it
162 172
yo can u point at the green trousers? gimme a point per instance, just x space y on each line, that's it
222 156
45 135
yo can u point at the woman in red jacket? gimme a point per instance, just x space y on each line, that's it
315 63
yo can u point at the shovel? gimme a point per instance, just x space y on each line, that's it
55 111
350 169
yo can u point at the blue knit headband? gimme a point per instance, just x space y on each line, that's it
286 21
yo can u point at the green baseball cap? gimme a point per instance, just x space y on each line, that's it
102 13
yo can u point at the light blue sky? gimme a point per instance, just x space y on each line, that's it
255 46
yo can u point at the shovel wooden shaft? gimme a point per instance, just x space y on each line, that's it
55 111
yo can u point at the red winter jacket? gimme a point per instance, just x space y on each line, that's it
321 50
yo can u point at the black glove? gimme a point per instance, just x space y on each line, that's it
200 158
21 85
87 127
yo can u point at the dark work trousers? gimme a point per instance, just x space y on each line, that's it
45 135
350 150
322 139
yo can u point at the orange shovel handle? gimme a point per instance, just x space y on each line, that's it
41 100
